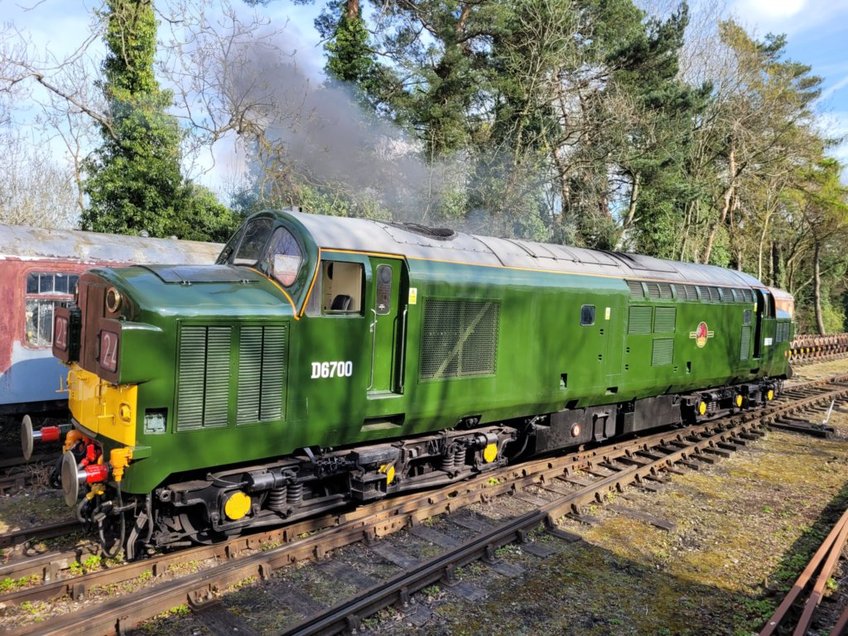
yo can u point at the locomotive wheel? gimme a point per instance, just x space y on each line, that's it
112 532
204 536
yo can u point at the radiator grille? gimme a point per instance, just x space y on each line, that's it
662 351
203 382
687 292
639 320
262 373
460 338
664 320
636 290
745 345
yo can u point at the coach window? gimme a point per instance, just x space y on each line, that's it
341 287
587 315
44 292
283 257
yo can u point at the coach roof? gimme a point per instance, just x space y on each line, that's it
29 243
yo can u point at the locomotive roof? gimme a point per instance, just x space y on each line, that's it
418 242
30 243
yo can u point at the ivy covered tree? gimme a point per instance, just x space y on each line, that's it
134 181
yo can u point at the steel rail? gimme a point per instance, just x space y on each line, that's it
347 615
835 538
46 531
47 566
122 613
442 500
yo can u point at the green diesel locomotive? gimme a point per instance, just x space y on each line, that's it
325 361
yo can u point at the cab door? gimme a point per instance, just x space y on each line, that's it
764 334
388 316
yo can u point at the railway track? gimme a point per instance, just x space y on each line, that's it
17 473
807 592
569 483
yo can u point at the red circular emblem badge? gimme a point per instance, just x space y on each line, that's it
701 335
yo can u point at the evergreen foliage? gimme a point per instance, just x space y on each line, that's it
134 181
579 121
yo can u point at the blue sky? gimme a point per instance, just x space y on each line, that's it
817 32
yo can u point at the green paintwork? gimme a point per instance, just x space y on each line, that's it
545 360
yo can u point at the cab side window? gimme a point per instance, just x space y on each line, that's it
341 287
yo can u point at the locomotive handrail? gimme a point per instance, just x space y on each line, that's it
373 348
402 370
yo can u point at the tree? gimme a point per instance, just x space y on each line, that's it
757 116
134 179
35 190
822 203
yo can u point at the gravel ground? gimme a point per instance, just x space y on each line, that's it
742 531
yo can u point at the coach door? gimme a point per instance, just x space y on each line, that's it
388 326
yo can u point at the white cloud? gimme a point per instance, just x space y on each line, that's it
770 9
789 16
834 88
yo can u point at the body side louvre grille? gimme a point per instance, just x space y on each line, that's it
639 319
459 338
274 365
745 344
262 366
662 351
665 319
249 374
204 371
